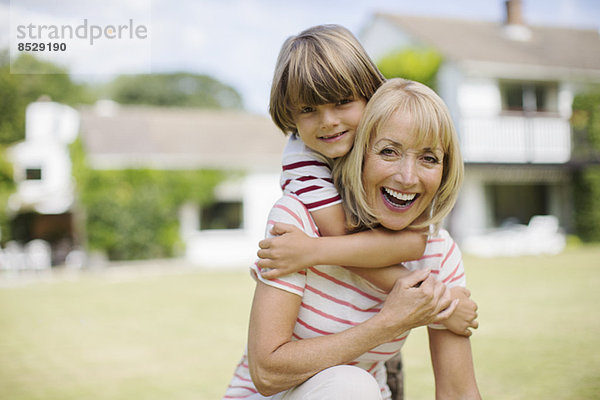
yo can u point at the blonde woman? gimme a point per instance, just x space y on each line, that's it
325 332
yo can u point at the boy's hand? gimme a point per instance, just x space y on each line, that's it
464 317
288 252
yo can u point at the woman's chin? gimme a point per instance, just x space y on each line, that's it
392 225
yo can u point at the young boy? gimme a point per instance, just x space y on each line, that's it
321 84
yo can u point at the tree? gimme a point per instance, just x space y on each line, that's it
176 89
18 90
419 65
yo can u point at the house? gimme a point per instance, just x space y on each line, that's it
120 137
123 137
43 202
509 87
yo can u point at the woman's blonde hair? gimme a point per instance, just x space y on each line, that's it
323 64
430 120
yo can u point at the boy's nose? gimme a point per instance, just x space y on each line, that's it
329 118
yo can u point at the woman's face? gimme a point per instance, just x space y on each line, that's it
401 176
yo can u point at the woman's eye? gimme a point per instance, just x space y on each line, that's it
430 159
387 152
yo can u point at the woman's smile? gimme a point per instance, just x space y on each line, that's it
395 200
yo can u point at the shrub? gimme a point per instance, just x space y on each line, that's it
586 129
133 213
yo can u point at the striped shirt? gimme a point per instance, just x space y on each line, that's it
334 299
307 174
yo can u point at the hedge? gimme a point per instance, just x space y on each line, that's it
586 128
133 213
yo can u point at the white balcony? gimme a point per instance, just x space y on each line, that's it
516 139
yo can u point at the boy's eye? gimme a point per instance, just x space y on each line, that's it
306 109
344 101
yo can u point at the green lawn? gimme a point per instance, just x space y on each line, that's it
180 335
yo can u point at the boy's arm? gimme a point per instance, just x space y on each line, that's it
330 220
292 250
363 253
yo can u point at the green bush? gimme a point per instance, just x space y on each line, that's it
587 203
419 65
7 187
586 128
133 214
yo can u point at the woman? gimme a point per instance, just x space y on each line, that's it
325 332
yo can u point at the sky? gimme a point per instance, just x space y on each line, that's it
235 41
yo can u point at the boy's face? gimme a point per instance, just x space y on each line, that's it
330 128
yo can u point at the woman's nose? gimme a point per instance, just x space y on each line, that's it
407 172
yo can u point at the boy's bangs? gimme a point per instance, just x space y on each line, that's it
320 82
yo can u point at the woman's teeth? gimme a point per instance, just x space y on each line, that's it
401 199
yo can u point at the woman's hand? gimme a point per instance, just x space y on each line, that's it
416 300
464 317
288 252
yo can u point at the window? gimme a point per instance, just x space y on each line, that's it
222 215
529 96
517 203
33 174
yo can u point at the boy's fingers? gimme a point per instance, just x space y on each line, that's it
263 253
279 228
270 274
264 244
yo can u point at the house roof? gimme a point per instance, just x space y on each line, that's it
488 41
176 138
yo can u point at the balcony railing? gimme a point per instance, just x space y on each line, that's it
516 139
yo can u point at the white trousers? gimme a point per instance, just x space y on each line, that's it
343 382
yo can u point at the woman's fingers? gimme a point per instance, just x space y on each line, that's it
415 278
447 312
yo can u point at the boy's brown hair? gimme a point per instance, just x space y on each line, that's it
323 64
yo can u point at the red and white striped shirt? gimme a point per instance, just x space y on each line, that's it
307 174
334 299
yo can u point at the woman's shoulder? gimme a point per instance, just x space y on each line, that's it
290 210
439 245
440 238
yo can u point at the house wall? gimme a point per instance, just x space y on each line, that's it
235 248
381 37
50 127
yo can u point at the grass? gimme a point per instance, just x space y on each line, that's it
164 336
180 335
539 329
